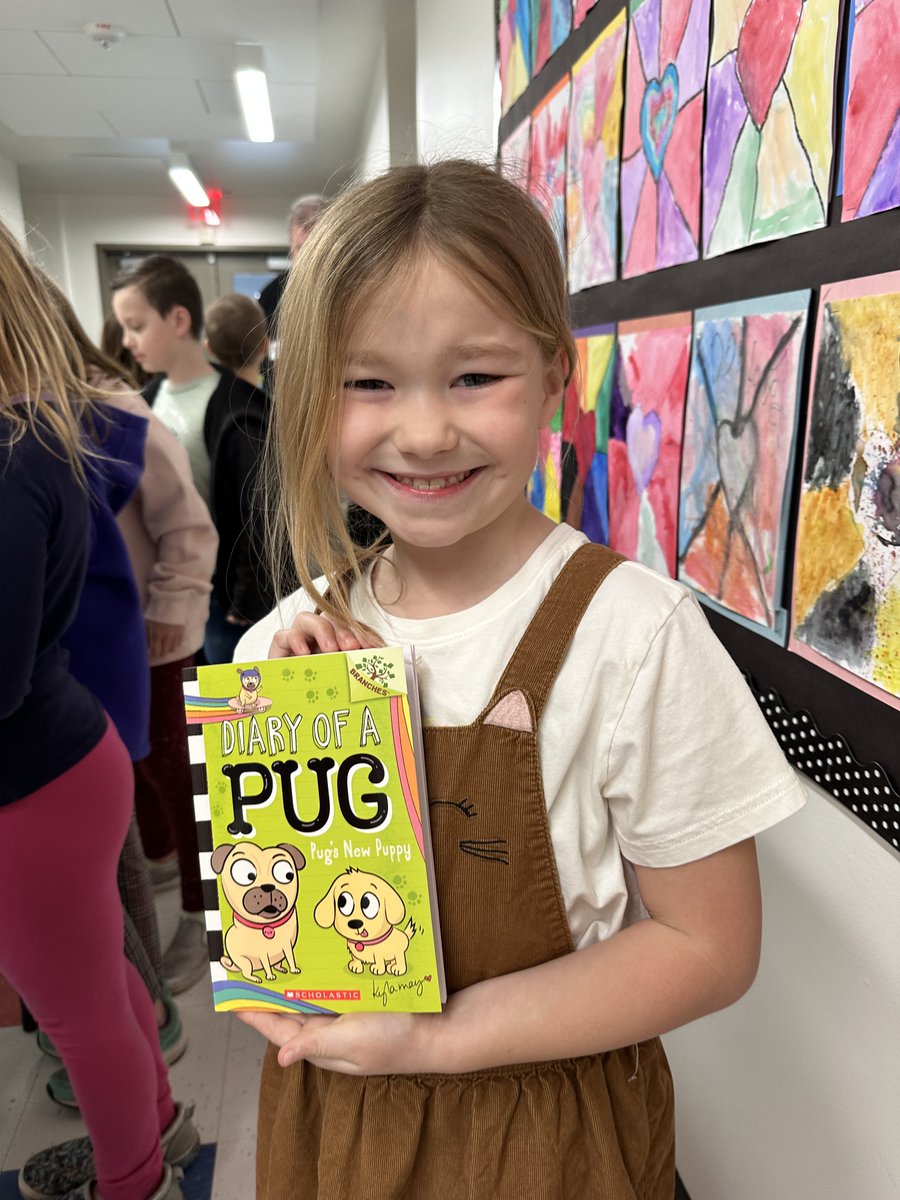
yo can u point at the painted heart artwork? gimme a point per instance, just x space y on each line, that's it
514 48
547 174
645 428
569 481
767 141
738 456
592 184
872 120
668 47
846 604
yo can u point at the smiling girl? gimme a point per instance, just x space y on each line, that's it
582 723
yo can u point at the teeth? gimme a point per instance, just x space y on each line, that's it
431 485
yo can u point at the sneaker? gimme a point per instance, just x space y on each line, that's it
168 1189
67 1170
172 1040
164 872
45 1045
187 958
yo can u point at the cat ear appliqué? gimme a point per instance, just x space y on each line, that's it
511 712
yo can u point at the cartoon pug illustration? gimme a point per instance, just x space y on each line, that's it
367 911
248 699
261 885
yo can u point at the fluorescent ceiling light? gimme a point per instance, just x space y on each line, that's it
183 175
253 92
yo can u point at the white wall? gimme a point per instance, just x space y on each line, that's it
64 232
457 89
794 1093
375 155
10 198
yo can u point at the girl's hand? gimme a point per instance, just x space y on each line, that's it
313 633
354 1043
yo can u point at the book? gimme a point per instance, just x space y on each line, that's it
312 819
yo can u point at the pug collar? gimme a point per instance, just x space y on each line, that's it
269 927
359 945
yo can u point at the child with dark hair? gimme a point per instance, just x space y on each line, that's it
160 309
235 432
158 304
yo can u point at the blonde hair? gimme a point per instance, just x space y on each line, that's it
40 364
465 214
235 330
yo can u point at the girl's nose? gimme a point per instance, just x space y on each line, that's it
425 427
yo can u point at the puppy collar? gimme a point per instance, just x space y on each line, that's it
356 945
269 927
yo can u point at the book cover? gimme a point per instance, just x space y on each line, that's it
312 819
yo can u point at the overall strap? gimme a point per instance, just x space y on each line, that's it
536 660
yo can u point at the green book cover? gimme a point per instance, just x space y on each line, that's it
312 818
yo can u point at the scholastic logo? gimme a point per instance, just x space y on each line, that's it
320 994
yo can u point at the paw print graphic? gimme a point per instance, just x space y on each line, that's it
309 674
414 899
331 693
399 882
312 694
222 786
217 809
287 673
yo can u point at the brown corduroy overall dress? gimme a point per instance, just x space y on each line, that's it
599 1127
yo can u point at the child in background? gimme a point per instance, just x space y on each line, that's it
66 789
235 433
159 307
596 766
173 544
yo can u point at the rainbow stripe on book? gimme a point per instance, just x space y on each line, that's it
199 710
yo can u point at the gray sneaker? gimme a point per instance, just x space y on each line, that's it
168 1189
187 958
67 1169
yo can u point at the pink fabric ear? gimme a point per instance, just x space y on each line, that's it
511 712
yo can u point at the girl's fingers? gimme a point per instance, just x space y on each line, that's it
313 633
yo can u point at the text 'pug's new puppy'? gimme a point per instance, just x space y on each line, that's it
261 885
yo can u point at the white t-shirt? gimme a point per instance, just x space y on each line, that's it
653 749
182 408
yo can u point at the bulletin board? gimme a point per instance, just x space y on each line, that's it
842 733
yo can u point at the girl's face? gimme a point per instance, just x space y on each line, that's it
442 403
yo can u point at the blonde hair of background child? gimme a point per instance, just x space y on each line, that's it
465 214
235 330
39 363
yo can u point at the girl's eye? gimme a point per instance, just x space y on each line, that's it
367 385
474 379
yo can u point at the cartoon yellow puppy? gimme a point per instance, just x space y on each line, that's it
367 911
260 884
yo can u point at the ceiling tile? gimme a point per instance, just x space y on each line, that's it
23 53
250 22
137 16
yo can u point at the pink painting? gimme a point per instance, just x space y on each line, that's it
592 190
872 123
582 8
646 421
668 48
547 178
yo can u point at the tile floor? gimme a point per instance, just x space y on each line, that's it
219 1072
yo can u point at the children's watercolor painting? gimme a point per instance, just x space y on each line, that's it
846 606
740 435
547 176
646 422
592 188
668 48
767 143
871 157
